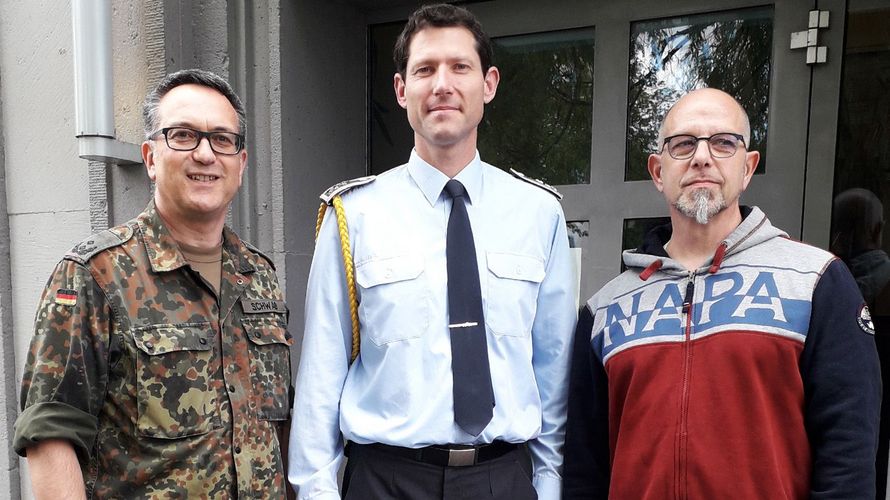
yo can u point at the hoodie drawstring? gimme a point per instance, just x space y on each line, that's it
718 258
650 270
715 264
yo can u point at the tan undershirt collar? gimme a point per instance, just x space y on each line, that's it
207 262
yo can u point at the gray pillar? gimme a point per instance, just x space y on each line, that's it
10 483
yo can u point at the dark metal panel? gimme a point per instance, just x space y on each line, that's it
822 129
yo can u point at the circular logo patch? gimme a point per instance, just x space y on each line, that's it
864 320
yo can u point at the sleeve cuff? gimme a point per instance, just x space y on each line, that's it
548 487
54 420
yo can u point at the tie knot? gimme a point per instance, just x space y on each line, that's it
455 189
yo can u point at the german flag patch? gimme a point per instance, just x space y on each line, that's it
66 297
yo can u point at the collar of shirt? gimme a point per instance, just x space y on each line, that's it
164 251
431 180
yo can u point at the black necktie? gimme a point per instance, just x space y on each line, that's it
471 376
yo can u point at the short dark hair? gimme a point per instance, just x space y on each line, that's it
152 102
441 15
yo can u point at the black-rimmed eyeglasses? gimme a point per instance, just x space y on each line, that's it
187 139
723 145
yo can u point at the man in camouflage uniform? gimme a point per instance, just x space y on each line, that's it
160 360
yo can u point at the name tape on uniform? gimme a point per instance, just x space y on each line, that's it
263 306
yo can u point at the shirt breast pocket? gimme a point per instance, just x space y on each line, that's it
513 282
175 393
269 365
394 298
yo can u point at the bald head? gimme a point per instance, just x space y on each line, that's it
701 186
705 104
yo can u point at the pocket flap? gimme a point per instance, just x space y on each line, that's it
515 267
384 270
265 331
160 339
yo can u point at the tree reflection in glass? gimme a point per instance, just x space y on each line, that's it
578 232
730 51
540 121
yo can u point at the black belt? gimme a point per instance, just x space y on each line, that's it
447 455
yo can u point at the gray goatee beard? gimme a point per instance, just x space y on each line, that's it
699 205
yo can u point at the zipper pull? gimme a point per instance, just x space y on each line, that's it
687 300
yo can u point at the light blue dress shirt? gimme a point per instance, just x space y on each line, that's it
399 390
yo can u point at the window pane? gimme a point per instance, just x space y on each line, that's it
390 135
539 123
859 233
635 230
730 51
578 233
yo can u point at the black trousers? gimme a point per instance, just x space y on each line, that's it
373 474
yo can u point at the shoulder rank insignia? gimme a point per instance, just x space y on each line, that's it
86 249
537 182
342 187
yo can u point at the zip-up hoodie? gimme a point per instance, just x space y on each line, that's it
754 376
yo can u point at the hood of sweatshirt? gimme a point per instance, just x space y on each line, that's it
651 256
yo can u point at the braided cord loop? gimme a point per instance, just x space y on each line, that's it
321 210
350 273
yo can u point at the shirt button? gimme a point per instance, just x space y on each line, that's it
237 449
231 388
240 281
518 271
149 345
257 334
388 274
203 341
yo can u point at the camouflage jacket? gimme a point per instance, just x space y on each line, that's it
163 388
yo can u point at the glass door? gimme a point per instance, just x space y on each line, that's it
584 88
851 169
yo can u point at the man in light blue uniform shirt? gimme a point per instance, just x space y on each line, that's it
395 405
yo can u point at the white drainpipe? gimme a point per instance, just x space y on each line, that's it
94 109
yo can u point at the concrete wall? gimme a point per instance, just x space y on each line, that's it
9 483
323 119
46 184
310 52
137 30
49 194
255 72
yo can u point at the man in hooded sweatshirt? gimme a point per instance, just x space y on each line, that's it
728 361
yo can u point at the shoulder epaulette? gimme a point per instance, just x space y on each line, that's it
537 182
259 252
342 187
103 240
